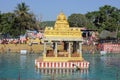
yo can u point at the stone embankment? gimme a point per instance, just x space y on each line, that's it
35 48
89 49
16 48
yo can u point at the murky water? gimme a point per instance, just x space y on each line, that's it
21 67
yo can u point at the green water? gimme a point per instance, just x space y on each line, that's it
16 66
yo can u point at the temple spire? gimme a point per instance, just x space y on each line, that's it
61 22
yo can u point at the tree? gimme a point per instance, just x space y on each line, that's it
107 18
6 23
92 17
47 23
24 19
77 20
16 23
0 16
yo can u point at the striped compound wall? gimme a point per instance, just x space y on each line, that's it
111 48
81 65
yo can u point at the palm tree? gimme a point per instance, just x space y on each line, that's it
22 10
24 19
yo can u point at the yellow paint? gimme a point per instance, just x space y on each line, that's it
33 40
61 59
61 29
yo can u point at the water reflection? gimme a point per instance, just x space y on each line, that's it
101 68
62 73
22 60
111 60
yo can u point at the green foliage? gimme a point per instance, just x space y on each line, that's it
24 19
80 20
18 22
77 20
107 18
118 35
46 23
6 23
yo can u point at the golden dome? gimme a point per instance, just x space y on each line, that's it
61 16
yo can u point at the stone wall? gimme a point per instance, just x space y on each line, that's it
15 48
35 48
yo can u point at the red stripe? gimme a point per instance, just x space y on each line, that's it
40 64
61 64
86 64
48 64
83 65
51 64
55 65
69 65
58 64
80 64
65 64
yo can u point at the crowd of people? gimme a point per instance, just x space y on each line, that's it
11 41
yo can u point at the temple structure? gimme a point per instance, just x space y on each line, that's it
71 38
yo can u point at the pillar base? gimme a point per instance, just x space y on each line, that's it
44 55
69 55
55 55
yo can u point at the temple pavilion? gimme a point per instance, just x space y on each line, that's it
71 38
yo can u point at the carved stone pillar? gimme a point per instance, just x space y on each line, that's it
80 49
44 52
69 48
55 50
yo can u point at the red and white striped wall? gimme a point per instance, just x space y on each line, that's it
79 64
111 48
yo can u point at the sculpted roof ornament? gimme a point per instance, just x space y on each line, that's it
61 22
61 16
62 31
